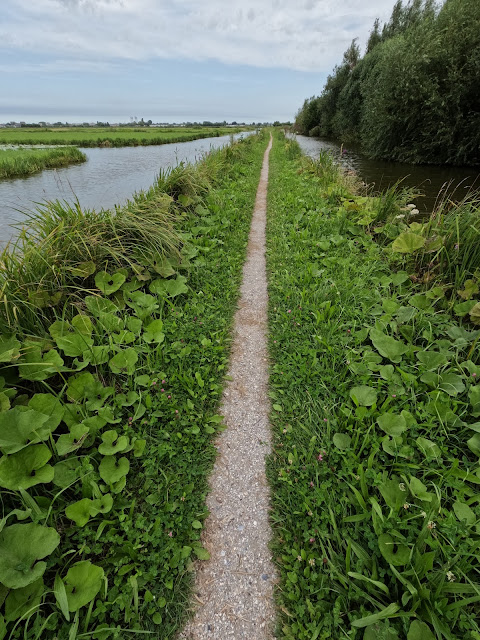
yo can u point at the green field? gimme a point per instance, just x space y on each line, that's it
24 162
111 136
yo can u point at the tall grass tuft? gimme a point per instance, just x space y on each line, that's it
49 262
24 162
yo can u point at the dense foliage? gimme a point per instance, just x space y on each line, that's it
114 344
24 162
415 95
375 367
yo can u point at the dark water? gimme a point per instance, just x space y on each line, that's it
426 179
109 177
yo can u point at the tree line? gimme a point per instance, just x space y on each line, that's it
414 96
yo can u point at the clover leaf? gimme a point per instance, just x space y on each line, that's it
26 468
82 583
21 545
112 470
112 443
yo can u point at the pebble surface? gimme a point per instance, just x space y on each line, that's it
233 591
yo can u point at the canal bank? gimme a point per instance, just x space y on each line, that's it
426 180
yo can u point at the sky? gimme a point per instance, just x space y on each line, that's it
172 60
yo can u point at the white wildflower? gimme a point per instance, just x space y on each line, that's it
450 576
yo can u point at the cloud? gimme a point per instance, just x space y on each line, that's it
305 36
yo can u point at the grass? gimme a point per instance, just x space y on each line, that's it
24 162
126 383
375 468
111 136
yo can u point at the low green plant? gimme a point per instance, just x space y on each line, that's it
107 415
375 467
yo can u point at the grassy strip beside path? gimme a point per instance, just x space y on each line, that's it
112 136
375 470
110 387
24 162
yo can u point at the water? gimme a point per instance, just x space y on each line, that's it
108 178
427 179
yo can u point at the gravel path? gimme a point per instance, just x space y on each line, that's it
234 589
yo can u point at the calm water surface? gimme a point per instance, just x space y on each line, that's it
109 177
427 179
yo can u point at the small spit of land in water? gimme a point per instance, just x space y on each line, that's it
111 136
426 180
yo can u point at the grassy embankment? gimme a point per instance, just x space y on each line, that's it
112 136
24 162
375 362
116 333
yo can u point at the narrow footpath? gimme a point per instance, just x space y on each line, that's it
234 589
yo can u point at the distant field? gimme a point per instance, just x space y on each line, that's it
110 136
23 162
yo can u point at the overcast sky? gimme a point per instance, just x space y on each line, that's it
172 59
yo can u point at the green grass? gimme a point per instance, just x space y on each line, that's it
111 136
117 399
24 162
375 468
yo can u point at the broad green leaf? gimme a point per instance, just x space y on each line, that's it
420 631
97 354
24 600
474 444
124 361
432 359
163 267
342 441
176 287
419 490
394 425
399 278
451 383
475 314
363 396
112 443
387 346
470 289
408 243
101 505
37 366
18 428
392 493
50 406
388 612
21 545
112 470
79 384
9 348
463 308
379 631
69 442
142 303
82 583
98 305
420 302
201 553
154 332
139 448
430 450
83 269
107 283
394 553
65 472
463 512
110 322
79 511
26 468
